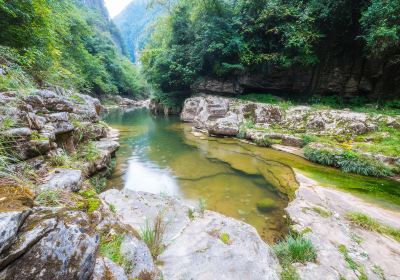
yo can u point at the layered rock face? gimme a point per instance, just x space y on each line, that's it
224 116
40 131
348 77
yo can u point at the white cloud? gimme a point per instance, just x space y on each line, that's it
116 6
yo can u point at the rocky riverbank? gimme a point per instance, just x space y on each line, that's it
339 138
345 230
55 225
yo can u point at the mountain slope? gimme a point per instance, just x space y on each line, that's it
135 24
70 43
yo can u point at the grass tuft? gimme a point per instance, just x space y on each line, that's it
368 223
295 249
110 247
153 236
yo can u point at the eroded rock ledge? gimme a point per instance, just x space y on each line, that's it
272 125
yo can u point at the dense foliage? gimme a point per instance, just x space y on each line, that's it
63 43
222 38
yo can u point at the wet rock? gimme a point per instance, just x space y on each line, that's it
137 253
26 239
138 208
106 269
9 225
106 145
68 251
64 179
268 114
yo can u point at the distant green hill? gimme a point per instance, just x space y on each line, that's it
135 24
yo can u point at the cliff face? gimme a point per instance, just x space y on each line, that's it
346 76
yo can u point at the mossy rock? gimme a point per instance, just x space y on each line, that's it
266 204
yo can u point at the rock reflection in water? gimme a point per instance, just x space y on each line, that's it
159 155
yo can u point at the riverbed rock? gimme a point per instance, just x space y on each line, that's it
194 249
321 212
65 250
64 179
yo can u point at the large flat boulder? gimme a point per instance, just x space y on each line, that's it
195 248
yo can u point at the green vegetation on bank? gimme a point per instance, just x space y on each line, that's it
294 249
62 43
368 223
220 38
348 161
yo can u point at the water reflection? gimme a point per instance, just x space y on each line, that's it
157 155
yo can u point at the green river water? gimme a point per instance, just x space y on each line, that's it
160 155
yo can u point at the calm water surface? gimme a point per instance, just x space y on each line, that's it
160 155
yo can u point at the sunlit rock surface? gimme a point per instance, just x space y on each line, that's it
330 230
194 247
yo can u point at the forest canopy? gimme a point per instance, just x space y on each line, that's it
63 43
223 38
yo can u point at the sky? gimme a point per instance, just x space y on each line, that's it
116 6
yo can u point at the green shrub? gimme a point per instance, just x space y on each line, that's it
295 249
48 198
61 159
307 139
202 205
348 161
260 97
99 183
88 152
352 162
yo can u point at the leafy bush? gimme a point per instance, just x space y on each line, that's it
260 97
348 161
